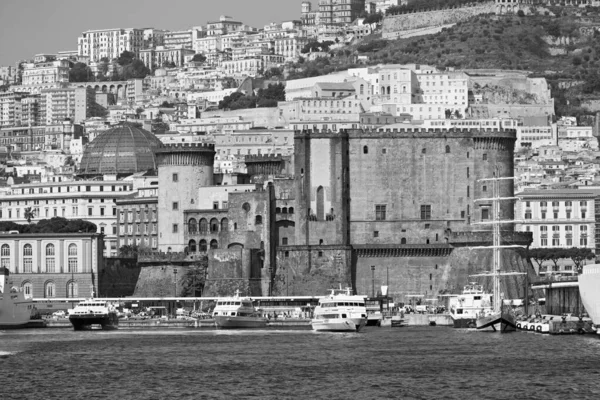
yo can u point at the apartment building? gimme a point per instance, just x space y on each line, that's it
110 43
76 104
138 219
93 201
45 72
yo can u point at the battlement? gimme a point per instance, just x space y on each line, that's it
263 158
419 132
194 145
178 257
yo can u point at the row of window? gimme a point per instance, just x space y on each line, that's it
543 215
50 289
556 204
72 261
67 189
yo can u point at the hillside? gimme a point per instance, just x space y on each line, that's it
560 44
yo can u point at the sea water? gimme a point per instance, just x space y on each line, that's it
399 363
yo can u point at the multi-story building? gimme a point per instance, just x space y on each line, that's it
19 109
254 142
23 138
224 25
183 39
535 136
110 43
8 75
290 47
153 38
161 55
138 219
559 218
339 12
53 265
251 66
76 104
93 201
45 72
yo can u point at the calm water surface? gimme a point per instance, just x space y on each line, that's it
407 363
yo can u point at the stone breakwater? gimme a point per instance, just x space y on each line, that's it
394 26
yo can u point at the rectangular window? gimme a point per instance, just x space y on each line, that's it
375 233
225 204
527 214
215 205
175 228
484 157
380 212
175 178
485 214
90 211
27 264
175 205
543 215
102 211
425 212
544 242
583 215
583 241
284 241
555 215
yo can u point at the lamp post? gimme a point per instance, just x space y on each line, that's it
372 281
175 273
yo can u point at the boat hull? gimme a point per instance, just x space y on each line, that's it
33 323
16 312
464 323
229 322
87 322
338 325
498 322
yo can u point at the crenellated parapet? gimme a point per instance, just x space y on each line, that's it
202 154
409 133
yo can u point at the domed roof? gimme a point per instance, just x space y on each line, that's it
125 149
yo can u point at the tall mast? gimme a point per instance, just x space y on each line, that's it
497 243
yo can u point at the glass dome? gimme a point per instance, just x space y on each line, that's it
125 149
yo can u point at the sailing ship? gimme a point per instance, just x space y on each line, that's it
500 316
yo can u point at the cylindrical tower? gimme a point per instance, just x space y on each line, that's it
182 170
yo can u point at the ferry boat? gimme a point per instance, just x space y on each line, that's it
236 313
92 313
16 311
589 284
473 302
340 312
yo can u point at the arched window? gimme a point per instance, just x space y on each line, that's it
5 256
50 260
291 210
424 150
214 225
192 246
27 258
403 241
28 289
284 210
202 245
72 261
235 226
72 289
320 203
214 244
258 220
447 149
277 210
49 290
203 226
366 150
192 225
246 207
224 225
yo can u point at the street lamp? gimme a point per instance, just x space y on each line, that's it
372 281
175 273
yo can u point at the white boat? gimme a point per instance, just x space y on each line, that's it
589 290
340 312
470 304
92 313
236 313
16 310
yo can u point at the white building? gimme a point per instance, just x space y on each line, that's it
110 43
46 72
560 218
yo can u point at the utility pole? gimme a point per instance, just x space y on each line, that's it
372 281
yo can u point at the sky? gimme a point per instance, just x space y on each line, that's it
30 27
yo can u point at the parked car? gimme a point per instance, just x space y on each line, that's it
59 314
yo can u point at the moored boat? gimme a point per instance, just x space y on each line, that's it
340 312
237 313
589 284
16 311
472 302
92 313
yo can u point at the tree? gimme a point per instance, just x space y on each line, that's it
128 251
29 214
199 58
125 58
80 72
139 111
579 255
